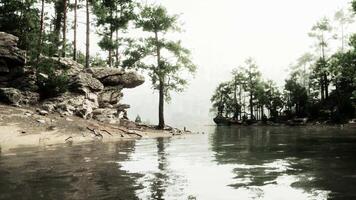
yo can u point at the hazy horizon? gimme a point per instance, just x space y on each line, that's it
221 35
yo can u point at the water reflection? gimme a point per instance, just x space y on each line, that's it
228 163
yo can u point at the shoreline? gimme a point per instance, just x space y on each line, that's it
23 126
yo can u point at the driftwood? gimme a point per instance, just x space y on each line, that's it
95 133
127 131
106 132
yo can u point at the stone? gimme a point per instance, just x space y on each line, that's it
116 77
110 95
103 72
11 96
127 80
85 111
84 81
42 121
10 55
30 98
62 65
42 112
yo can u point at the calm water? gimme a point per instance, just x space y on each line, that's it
225 163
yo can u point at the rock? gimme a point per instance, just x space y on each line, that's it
86 109
110 95
30 98
69 119
106 115
10 95
127 80
10 56
42 112
103 72
62 65
116 77
42 121
84 81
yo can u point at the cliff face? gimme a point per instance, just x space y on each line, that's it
91 93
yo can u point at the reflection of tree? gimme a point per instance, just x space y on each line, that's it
77 172
159 183
320 158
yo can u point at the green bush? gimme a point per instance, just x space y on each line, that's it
49 83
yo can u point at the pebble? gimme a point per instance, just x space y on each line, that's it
42 121
43 112
69 119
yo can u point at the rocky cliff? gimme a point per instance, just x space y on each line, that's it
90 93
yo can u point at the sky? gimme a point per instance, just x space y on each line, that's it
221 34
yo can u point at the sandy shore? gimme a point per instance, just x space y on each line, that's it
26 127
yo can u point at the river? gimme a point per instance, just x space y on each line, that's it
224 163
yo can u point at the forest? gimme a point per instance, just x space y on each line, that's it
132 36
321 85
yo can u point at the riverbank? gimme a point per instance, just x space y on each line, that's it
27 126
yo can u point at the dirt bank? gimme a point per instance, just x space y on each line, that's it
28 127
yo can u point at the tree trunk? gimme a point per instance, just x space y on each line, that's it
161 123
251 105
87 36
322 89
64 28
110 49
117 49
75 31
41 31
326 86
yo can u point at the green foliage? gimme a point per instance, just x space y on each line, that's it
21 19
49 83
138 119
173 60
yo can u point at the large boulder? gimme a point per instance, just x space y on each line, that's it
116 77
110 95
62 65
12 59
85 82
11 96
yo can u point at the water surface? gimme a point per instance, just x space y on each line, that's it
225 163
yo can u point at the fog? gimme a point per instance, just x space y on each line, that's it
221 34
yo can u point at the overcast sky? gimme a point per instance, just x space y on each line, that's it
221 34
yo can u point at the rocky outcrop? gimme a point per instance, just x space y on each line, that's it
114 77
92 93
12 59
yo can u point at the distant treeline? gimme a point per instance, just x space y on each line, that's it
320 86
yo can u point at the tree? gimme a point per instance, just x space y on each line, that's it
64 46
21 19
238 82
321 32
343 19
221 99
75 30
252 79
112 16
171 57
87 44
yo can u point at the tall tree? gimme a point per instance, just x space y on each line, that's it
343 19
171 58
87 44
75 30
321 31
252 79
112 16
64 42
41 29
